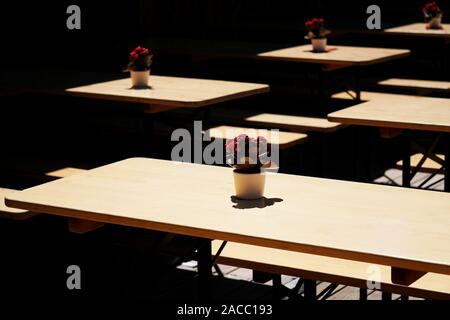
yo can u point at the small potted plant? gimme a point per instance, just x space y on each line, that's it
249 158
139 67
433 15
317 33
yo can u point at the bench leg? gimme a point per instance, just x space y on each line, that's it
277 293
310 289
205 270
363 294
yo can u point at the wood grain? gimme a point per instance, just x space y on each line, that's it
398 227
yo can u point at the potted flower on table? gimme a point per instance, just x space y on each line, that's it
139 67
249 158
317 33
433 15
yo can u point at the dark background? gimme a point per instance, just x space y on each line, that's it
34 33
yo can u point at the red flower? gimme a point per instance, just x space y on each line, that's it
134 56
431 9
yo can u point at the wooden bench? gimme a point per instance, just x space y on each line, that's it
422 86
286 139
10 213
64 172
333 270
428 166
292 123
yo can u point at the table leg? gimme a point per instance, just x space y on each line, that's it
447 163
322 93
204 260
406 174
310 287
363 294
357 85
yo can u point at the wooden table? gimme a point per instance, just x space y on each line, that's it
164 92
406 229
338 57
402 112
418 29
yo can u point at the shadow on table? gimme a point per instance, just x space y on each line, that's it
251 204
140 88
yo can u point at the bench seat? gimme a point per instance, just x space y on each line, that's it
293 123
428 166
286 139
333 270
414 84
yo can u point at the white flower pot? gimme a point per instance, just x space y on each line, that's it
139 79
436 22
249 186
319 44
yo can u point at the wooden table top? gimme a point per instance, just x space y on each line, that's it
338 55
402 111
419 29
172 91
165 91
398 227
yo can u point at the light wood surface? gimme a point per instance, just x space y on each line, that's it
428 166
341 55
397 111
11 213
64 172
282 138
334 270
416 84
419 29
399 227
165 92
171 91
368 95
294 123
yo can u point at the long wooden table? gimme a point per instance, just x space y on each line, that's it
403 112
164 92
406 229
